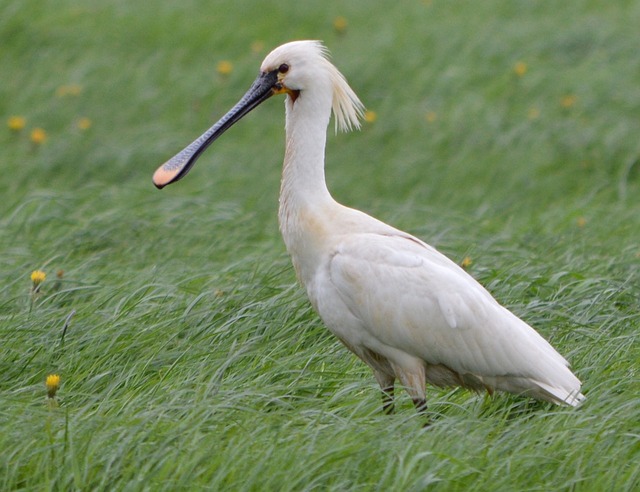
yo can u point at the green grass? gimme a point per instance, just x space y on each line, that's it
193 360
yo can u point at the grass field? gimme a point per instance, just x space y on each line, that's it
507 132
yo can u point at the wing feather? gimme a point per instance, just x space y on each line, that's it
411 297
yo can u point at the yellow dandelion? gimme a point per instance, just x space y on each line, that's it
431 116
38 136
257 47
520 68
568 101
53 384
84 123
533 114
224 67
340 24
581 221
16 123
466 262
370 116
69 90
37 277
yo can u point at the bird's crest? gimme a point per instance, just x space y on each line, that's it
347 108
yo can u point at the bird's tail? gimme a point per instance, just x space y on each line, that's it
560 396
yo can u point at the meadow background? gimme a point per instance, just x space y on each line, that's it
503 132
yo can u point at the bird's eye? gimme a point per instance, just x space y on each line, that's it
284 68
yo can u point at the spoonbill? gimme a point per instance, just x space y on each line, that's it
409 312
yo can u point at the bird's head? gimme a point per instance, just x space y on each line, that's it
289 69
297 66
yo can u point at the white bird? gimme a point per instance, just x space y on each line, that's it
410 313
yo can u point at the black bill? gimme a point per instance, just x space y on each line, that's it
179 165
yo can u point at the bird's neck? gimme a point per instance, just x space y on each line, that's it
303 187
305 203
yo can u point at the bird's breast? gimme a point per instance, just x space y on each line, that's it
307 235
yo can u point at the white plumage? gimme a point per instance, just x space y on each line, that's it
406 310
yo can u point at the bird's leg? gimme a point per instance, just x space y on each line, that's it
386 382
421 405
414 382
387 400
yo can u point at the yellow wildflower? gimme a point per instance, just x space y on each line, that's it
533 113
581 221
52 383
38 136
37 277
370 116
68 90
84 123
257 47
466 262
224 67
16 123
520 68
431 116
568 100
340 24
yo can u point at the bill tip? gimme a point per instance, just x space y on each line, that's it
162 177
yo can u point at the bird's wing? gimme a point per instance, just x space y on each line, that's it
411 297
